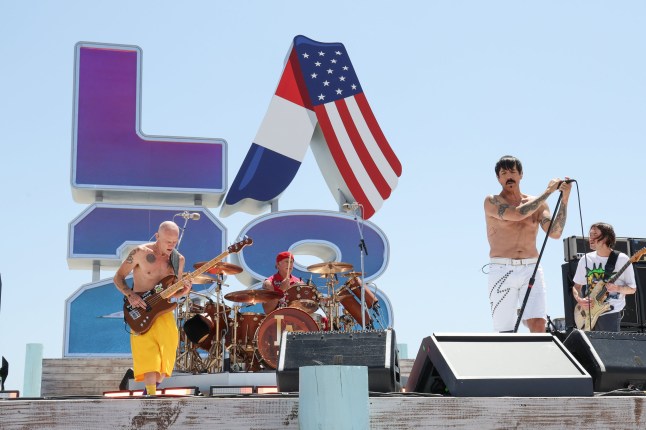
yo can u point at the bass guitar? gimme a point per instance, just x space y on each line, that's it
585 317
158 298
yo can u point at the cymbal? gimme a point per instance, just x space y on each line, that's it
203 279
253 296
353 274
331 267
221 268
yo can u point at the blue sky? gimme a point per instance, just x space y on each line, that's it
453 84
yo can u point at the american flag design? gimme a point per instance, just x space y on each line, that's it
319 103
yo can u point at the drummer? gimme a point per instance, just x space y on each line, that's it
281 280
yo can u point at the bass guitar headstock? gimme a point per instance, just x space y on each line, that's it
236 247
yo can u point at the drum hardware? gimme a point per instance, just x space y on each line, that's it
353 274
241 349
221 268
204 327
202 279
329 267
253 296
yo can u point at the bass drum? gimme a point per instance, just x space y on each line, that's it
271 330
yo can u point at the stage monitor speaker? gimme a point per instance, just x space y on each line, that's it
615 360
375 349
498 364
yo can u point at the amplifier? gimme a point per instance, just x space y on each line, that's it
375 349
635 245
574 247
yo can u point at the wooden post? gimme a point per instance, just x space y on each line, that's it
33 370
333 397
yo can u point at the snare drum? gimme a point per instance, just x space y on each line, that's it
302 296
270 331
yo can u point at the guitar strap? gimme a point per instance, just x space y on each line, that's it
174 260
610 264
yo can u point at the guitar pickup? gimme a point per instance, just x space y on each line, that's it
134 314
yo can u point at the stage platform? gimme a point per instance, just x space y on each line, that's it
67 404
397 411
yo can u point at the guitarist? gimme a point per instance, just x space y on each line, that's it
592 268
153 352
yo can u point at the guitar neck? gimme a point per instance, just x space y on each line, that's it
614 277
167 293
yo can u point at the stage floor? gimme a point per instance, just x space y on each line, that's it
397 411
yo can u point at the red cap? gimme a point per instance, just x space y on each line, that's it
283 255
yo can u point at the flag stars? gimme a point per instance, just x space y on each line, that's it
330 71
317 64
321 97
353 86
326 83
306 55
321 54
337 52
339 91
333 61
313 75
342 78
345 68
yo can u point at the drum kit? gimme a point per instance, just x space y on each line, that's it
215 337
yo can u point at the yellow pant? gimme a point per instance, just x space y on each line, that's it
155 350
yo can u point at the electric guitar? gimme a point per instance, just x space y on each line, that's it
586 317
158 298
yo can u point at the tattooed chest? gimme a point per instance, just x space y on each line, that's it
156 265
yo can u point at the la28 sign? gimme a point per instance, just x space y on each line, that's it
115 168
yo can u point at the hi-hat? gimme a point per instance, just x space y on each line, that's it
202 279
221 268
253 296
331 267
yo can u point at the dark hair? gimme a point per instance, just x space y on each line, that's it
508 162
607 233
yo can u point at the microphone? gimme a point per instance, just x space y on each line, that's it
351 206
188 215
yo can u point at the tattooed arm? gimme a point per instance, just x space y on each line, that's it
561 215
495 206
119 279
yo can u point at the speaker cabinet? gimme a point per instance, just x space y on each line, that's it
633 313
567 271
375 349
635 310
615 360
495 365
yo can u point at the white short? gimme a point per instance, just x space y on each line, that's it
507 287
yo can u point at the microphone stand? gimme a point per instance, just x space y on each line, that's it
181 233
362 250
540 255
